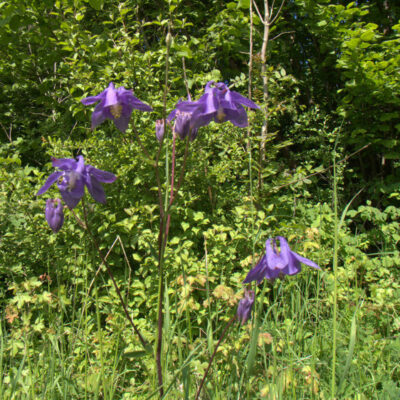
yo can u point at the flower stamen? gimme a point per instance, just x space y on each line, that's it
116 110
220 115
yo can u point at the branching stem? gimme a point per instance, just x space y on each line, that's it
104 260
221 338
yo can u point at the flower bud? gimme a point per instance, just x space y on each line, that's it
168 39
182 124
245 306
160 129
54 214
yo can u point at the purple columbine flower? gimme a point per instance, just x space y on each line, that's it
115 104
160 129
73 178
218 103
182 124
54 214
245 306
276 263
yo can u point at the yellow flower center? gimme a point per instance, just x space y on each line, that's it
116 110
221 115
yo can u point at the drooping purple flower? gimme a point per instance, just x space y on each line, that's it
160 129
218 103
245 306
276 263
115 104
182 124
54 214
73 178
183 127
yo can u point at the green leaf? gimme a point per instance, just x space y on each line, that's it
244 4
96 4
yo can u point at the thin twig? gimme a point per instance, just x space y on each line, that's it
258 12
280 34
140 142
325 169
99 268
78 220
278 12
88 230
9 135
213 355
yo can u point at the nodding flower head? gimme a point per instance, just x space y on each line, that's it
115 104
277 263
218 104
182 125
72 178
245 305
160 129
54 214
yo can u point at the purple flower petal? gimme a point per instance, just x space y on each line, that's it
69 200
218 103
277 260
293 267
171 115
235 97
64 163
100 175
258 272
96 190
182 124
98 116
210 103
92 99
305 260
200 119
193 133
50 180
122 122
187 106
111 97
238 117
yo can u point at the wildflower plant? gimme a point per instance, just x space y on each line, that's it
218 104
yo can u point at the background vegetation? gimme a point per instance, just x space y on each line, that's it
332 74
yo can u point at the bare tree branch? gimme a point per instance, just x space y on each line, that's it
280 34
258 12
277 14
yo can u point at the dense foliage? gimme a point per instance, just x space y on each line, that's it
332 105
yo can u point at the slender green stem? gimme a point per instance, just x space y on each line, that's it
335 266
171 196
161 236
181 175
